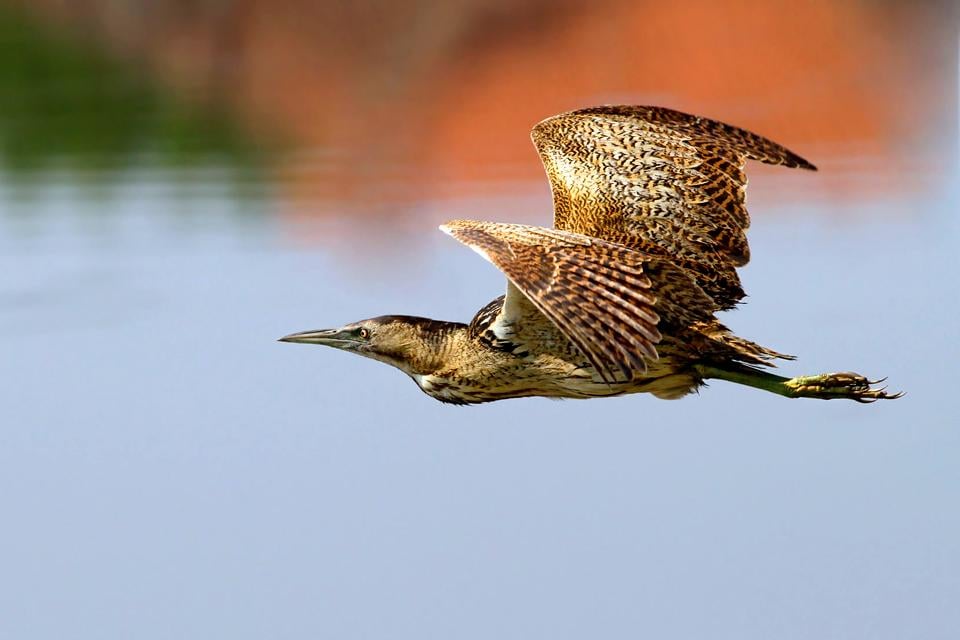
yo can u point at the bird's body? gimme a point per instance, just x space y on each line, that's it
621 296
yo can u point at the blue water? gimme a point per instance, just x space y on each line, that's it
168 470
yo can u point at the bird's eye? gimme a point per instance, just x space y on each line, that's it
364 333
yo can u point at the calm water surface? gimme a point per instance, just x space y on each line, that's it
168 470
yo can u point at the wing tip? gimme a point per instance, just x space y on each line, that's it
788 158
471 233
792 160
451 227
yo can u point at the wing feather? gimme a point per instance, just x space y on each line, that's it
659 181
599 294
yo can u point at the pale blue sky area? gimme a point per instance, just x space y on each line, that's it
168 470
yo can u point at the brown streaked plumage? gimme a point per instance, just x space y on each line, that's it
650 225
658 181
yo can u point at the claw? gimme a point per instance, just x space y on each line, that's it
852 386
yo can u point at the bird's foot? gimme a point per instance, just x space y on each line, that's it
852 386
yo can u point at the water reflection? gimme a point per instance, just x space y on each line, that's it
168 470
72 115
386 110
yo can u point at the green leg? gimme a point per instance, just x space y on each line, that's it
826 386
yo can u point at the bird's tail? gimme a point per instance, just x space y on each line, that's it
750 352
724 347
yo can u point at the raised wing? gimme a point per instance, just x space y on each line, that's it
602 296
660 181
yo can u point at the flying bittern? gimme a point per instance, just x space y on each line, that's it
621 296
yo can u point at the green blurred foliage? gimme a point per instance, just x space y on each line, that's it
65 103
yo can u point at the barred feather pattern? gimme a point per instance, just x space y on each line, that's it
607 299
660 181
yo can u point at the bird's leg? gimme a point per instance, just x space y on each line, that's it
826 386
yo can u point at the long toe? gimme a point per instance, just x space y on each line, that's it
849 385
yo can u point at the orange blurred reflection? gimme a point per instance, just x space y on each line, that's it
393 105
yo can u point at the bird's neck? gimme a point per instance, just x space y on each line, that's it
463 370
440 349
426 346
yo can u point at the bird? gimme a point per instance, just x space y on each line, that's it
621 295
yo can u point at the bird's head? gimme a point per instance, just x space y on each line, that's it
411 344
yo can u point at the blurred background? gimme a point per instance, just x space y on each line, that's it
184 181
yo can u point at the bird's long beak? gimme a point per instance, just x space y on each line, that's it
338 338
